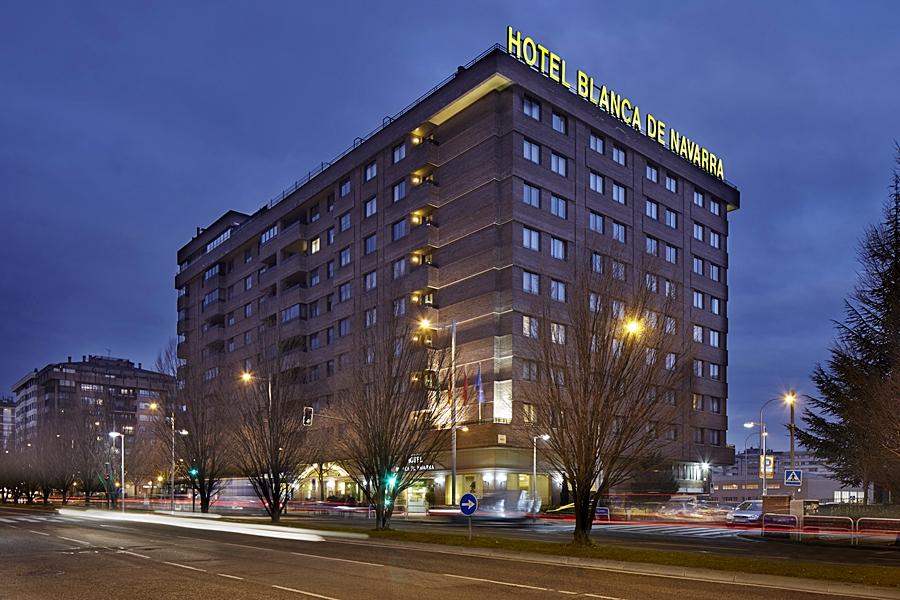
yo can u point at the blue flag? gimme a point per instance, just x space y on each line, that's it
479 386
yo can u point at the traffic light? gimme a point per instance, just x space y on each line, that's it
391 481
193 471
307 416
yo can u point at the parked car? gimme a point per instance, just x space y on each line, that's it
746 513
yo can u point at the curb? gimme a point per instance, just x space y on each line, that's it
796 584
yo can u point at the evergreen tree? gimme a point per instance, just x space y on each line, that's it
846 424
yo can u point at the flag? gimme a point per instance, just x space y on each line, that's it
479 386
465 386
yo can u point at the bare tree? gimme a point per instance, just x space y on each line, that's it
268 430
394 418
197 410
610 361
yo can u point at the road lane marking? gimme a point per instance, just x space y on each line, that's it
74 540
165 562
356 562
132 554
507 583
2 520
296 591
38 532
602 597
230 576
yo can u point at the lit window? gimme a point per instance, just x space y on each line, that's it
315 245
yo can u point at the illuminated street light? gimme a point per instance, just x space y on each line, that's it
545 437
114 435
633 327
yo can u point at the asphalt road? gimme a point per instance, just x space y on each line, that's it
43 555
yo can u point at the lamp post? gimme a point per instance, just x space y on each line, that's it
426 324
248 377
791 399
114 435
788 399
154 406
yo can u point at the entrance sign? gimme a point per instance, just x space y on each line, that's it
793 477
553 66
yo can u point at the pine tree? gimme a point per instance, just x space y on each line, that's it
846 423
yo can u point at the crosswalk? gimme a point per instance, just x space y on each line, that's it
33 519
668 530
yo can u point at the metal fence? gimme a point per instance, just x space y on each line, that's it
821 528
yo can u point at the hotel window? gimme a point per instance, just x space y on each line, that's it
370 280
344 292
530 282
400 306
329 235
698 265
698 368
651 282
595 222
669 325
652 246
248 310
652 173
344 221
670 361
715 371
698 231
290 313
618 155
597 144
557 248
651 209
715 207
671 219
698 198
618 232
715 437
715 306
698 334
713 338
559 123
371 317
531 195
671 184
531 239
314 277
618 270
558 164
559 207
399 230
345 187
370 244
715 272
698 299
399 190
697 402
371 171
371 206
715 405
211 272
268 234
557 333
715 240
248 282
345 256
315 245
399 268
597 262
596 182
399 152
558 290
531 151
618 193
671 254
531 107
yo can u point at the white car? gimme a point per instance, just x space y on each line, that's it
746 513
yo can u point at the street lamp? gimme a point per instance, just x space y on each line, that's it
155 406
114 435
544 437
247 377
633 326
789 399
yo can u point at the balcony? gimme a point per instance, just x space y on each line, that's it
183 301
214 334
183 326
424 276
424 235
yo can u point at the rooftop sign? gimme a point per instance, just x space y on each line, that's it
553 66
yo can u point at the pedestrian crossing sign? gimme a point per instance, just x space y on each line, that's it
793 477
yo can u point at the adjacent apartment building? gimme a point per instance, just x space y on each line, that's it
462 207
115 391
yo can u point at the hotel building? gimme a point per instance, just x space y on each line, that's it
460 208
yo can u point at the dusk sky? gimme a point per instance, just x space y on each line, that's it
125 125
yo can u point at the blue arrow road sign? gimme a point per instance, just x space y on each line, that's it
468 504
793 477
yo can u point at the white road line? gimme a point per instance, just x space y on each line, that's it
132 554
230 576
347 560
287 589
183 566
6 520
507 583
74 540
38 532
602 596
